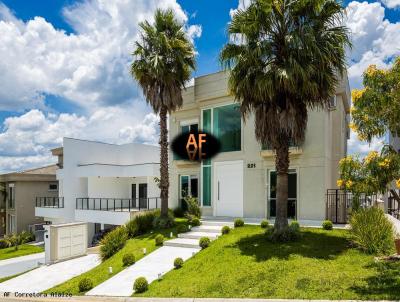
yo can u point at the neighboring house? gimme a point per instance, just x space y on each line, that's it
103 184
241 180
2 209
21 192
394 141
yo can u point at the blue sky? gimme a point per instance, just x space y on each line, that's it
63 68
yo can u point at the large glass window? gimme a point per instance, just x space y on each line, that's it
292 194
187 129
227 127
11 197
206 196
188 186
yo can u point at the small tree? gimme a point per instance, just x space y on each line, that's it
16 240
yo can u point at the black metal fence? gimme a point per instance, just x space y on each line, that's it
339 202
118 204
393 205
50 202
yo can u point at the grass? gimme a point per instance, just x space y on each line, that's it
100 273
23 250
243 264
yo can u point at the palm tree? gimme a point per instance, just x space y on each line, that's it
285 57
163 62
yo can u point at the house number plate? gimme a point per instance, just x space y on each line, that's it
251 165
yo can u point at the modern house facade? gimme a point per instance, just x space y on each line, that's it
19 193
241 180
102 184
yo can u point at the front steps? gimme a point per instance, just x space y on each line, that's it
210 229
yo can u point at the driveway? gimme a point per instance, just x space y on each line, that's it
48 276
14 266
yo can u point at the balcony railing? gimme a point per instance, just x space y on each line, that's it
118 204
50 202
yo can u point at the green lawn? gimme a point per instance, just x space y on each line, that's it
243 264
23 250
100 273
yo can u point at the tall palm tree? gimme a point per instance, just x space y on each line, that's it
163 62
285 57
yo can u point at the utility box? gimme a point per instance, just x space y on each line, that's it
65 241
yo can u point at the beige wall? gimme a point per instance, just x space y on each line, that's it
316 163
25 198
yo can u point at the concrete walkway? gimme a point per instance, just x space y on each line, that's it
158 262
48 276
18 265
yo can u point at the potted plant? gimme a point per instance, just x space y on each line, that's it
397 243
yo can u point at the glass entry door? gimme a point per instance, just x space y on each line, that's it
189 185
143 195
292 194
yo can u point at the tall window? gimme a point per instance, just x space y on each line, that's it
227 126
186 129
11 197
292 194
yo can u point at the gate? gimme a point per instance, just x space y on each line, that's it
339 203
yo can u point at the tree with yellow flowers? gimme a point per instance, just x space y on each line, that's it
375 111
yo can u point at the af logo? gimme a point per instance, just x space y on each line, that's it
195 146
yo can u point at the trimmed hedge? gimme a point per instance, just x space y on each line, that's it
113 242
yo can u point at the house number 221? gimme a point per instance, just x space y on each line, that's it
251 166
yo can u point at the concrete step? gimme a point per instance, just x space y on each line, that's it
207 229
217 223
198 235
183 242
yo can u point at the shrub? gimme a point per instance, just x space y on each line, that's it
113 242
140 285
178 263
145 221
238 223
195 222
225 229
264 224
204 242
182 228
193 206
131 228
164 222
159 239
178 212
3 244
128 259
85 284
372 231
327 225
294 226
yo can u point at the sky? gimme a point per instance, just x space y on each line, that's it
64 67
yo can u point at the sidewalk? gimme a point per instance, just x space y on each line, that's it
17 265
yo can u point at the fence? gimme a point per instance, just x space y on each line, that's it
339 202
118 204
50 202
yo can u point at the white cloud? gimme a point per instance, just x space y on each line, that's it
89 67
391 3
375 39
355 146
27 139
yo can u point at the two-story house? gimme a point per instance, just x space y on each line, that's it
20 191
241 180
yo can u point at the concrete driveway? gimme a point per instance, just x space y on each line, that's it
14 266
48 276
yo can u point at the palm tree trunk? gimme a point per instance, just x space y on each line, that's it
164 176
282 167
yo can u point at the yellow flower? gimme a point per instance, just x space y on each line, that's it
357 94
353 126
353 110
340 183
385 163
371 69
398 183
371 156
349 184
361 137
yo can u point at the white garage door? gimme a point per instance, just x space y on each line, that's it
228 188
71 241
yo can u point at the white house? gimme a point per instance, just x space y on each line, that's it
102 184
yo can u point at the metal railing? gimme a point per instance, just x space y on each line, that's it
50 202
118 204
339 202
394 204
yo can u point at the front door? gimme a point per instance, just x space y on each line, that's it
143 195
228 188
